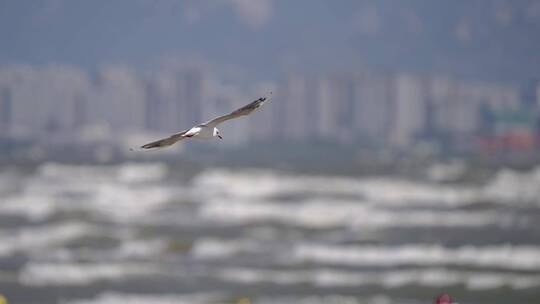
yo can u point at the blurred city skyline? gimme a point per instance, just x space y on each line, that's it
65 104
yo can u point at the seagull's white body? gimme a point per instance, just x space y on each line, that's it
207 130
202 132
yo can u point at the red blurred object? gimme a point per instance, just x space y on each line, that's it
443 299
517 140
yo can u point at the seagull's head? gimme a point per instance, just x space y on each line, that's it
217 133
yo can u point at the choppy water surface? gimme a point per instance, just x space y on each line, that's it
138 233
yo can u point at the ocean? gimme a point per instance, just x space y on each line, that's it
149 233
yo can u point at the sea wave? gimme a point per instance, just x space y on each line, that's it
265 184
126 172
331 278
39 238
338 213
516 187
517 258
139 250
116 297
77 227
216 298
67 274
120 192
506 188
212 248
496 256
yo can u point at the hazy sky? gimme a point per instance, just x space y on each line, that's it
265 38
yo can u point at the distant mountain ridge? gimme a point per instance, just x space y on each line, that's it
492 40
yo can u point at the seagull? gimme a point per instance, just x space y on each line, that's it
207 130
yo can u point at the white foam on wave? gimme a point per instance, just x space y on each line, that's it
39 238
118 201
45 243
211 248
115 298
54 172
33 206
122 192
210 298
498 256
431 277
504 257
66 274
132 191
389 191
123 202
140 249
326 299
127 172
137 173
508 187
147 250
516 187
326 213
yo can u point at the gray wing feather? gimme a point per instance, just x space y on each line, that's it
245 110
165 142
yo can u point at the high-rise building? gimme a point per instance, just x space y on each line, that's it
373 108
538 95
336 108
296 120
80 114
312 109
191 85
470 97
345 105
152 105
70 93
119 100
6 109
163 103
529 93
409 109
326 120
440 93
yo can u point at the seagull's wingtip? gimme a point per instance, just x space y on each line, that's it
264 98
139 149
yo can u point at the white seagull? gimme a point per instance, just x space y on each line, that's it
208 129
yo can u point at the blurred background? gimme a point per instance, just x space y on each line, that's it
396 159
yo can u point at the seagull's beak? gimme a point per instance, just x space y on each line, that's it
220 136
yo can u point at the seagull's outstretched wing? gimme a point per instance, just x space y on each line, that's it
245 110
165 142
